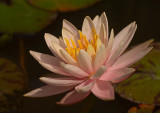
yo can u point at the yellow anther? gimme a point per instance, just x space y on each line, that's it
68 44
81 35
80 44
95 38
74 45
68 51
86 41
92 42
77 53
94 31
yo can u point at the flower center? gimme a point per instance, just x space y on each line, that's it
89 46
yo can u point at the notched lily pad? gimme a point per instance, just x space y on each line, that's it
11 85
62 5
144 85
17 16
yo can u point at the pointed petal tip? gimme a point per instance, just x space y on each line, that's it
27 94
31 52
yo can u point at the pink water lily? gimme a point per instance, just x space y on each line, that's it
91 60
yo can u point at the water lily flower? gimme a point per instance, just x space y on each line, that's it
91 60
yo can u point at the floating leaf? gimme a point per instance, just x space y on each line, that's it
62 5
144 85
18 16
4 39
143 108
11 84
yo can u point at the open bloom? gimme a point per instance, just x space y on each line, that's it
91 60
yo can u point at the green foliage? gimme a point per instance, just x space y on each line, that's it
144 85
61 5
11 85
21 17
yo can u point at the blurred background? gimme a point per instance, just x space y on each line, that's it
22 27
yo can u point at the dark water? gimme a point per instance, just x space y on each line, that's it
120 13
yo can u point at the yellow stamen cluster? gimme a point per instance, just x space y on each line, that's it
83 43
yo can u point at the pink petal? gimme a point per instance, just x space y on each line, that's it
130 54
104 21
69 35
131 59
103 90
99 72
100 57
116 74
85 86
71 28
67 57
65 81
109 45
85 61
48 90
73 97
56 47
95 20
120 36
102 35
49 62
87 28
122 46
74 70
122 78
50 38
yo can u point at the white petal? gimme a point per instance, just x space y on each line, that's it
49 39
104 21
85 86
67 57
69 35
49 62
124 42
109 45
131 59
95 20
128 55
99 72
73 97
48 90
73 70
85 61
100 57
87 28
123 34
102 35
71 28
57 49
103 90
63 81
116 74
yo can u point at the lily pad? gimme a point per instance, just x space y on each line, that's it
144 85
142 109
17 16
11 85
62 5
4 39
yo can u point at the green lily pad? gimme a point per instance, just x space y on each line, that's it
62 5
11 85
144 85
18 16
4 39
